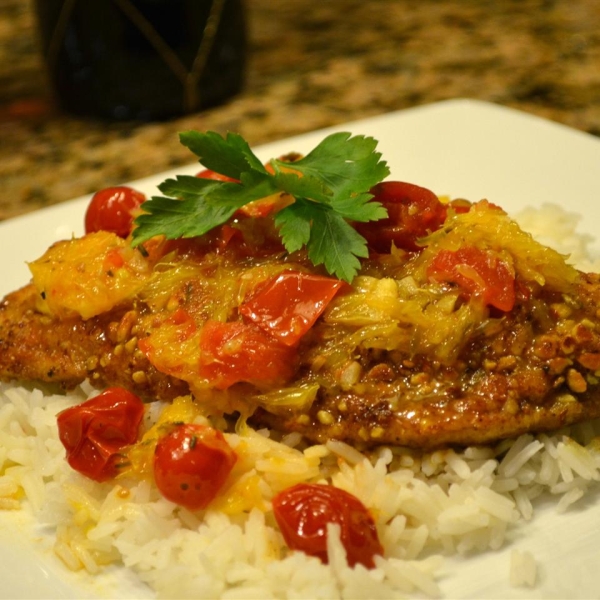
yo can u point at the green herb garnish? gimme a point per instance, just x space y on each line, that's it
332 189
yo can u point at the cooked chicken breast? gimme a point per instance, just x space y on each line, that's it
417 352
531 371
67 351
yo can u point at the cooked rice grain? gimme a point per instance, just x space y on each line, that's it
523 569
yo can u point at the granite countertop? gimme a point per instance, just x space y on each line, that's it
310 65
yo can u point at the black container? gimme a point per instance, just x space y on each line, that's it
142 59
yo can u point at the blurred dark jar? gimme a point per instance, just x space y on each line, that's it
142 59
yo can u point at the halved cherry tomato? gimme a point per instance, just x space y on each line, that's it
304 510
210 174
263 207
191 464
413 212
236 351
113 209
479 272
95 432
288 305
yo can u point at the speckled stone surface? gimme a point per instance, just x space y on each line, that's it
310 64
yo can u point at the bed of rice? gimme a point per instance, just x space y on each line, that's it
426 506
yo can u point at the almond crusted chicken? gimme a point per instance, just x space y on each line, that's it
473 334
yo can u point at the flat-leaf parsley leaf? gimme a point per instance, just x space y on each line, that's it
330 186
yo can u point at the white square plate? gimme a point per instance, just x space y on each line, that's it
462 148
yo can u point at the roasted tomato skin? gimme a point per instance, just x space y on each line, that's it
191 464
236 351
113 209
96 432
304 510
413 212
288 305
210 174
479 272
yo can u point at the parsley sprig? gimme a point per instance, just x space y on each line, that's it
330 186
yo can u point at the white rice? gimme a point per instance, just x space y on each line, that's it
523 570
426 507
554 226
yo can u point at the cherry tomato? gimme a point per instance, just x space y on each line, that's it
478 272
113 209
413 212
95 432
191 464
236 351
304 510
288 305
210 174
263 207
